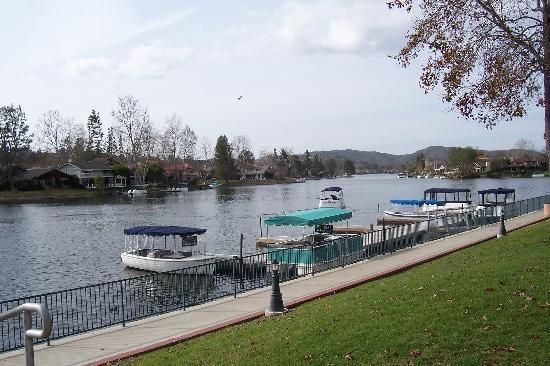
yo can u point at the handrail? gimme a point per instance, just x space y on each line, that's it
27 309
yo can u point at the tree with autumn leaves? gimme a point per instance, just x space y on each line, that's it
491 58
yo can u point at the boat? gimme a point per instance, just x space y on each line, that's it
537 175
300 180
420 213
180 187
437 202
492 201
143 250
402 175
332 197
137 190
214 184
453 199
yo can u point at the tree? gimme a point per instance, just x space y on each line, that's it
14 137
420 162
462 158
110 144
52 128
189 142
135 132
246 160
224 167
240 144
317 166
349 167
296 167
172 140
525 147
330 167
205 152
489 56
95 134
307 163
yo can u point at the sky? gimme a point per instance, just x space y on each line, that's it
312 74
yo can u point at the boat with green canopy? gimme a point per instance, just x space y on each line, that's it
311 217
319 248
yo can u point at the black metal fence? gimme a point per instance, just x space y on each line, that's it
97 306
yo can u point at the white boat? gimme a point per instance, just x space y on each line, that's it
137 191
537 175
180 187
300 180
332 197
437 202
401 175
146 248
493 201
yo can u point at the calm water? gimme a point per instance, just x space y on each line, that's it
50 247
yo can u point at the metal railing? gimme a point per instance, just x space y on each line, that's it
101 305
41 314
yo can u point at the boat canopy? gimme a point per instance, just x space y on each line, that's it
446 190
312 217
417 202
497 191
163 231
332 189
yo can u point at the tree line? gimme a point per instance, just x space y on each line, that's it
137 147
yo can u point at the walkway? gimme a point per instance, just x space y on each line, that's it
112 343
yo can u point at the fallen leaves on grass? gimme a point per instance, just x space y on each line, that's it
415 353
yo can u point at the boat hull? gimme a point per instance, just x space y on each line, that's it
332 203
168 264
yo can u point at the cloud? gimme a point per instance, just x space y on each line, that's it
163 22
142 61
86 66
358 27
149 61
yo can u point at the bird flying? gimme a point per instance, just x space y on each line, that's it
239 98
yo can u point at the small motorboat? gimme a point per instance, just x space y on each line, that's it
332 197
137 191
147 248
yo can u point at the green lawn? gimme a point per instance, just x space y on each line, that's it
485 305
45 195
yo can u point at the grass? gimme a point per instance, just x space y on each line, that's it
45 195
488 305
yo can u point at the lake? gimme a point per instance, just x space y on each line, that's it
49 247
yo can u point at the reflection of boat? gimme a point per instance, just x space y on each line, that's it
137 190
332 197
142 250
492 201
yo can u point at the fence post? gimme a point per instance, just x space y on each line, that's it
122 304
234 279
312 260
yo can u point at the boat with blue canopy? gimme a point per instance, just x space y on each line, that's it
420 211
495 199
167 248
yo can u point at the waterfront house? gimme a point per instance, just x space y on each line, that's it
179 172
254 174
44 178
87 171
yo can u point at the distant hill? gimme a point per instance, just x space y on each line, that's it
432 153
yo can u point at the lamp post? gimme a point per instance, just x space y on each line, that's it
276 306
502 229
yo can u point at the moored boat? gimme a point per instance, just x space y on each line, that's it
143 251
332 197
493 201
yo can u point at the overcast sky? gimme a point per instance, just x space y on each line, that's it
313 74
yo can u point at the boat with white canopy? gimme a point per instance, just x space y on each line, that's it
167 248
332 197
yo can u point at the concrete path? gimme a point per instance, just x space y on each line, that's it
116 342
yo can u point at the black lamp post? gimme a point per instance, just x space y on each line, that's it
502 229
276 306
